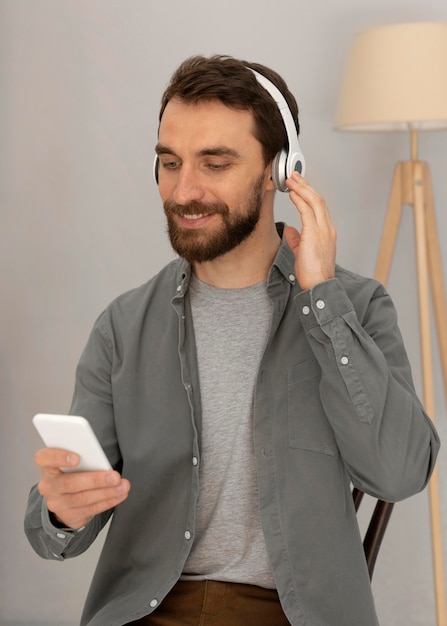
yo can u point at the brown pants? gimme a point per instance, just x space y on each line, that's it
210 603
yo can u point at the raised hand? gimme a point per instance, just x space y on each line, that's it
314 247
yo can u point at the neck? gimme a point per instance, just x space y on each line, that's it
246 265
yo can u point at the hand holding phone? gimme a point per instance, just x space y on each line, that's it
74 495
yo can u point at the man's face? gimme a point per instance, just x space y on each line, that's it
212 178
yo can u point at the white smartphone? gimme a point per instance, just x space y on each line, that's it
73 433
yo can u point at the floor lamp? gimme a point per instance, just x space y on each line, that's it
396 80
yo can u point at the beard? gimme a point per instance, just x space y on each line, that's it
195 244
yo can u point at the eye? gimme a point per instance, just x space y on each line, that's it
169 165
216 167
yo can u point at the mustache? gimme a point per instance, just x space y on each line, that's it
195 208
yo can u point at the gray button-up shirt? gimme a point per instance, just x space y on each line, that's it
334 406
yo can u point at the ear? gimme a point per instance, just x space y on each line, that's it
269 183
270 186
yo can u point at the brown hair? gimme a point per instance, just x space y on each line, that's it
231 81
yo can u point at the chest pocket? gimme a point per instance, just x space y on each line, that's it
309 428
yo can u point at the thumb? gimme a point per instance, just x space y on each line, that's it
292 236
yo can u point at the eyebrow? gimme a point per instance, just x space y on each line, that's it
212 151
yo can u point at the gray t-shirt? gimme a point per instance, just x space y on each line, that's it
231 328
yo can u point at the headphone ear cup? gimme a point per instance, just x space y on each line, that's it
279 170
155 168
296 163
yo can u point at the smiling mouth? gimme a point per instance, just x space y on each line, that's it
195 217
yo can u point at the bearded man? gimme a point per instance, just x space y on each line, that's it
238 394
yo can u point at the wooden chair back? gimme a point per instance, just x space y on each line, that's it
376 528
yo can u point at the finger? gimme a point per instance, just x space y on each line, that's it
88 512
52 459
86 499
307 200
75 511
70 483
292 237
297 184
300 184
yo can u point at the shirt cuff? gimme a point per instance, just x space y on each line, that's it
324 302
59 537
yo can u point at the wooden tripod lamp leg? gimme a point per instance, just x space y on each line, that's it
436 273
427 375
412 185
391 226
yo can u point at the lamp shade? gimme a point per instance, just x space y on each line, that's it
396 79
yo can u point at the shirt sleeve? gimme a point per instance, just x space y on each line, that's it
52 542
387 441
92 399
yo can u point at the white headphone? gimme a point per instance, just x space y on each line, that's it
291 159
288 160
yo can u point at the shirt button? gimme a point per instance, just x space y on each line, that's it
195 460
306 310
344 360
187 535
153 603
179 288
320 304
292 278
60 535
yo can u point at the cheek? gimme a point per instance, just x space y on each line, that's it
239 197
165 190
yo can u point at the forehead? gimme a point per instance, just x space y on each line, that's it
201 125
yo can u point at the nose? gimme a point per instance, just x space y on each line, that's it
187 186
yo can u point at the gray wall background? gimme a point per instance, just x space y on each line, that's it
80 84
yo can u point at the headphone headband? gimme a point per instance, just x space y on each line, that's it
291 159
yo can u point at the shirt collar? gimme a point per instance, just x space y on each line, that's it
284 262
285 259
